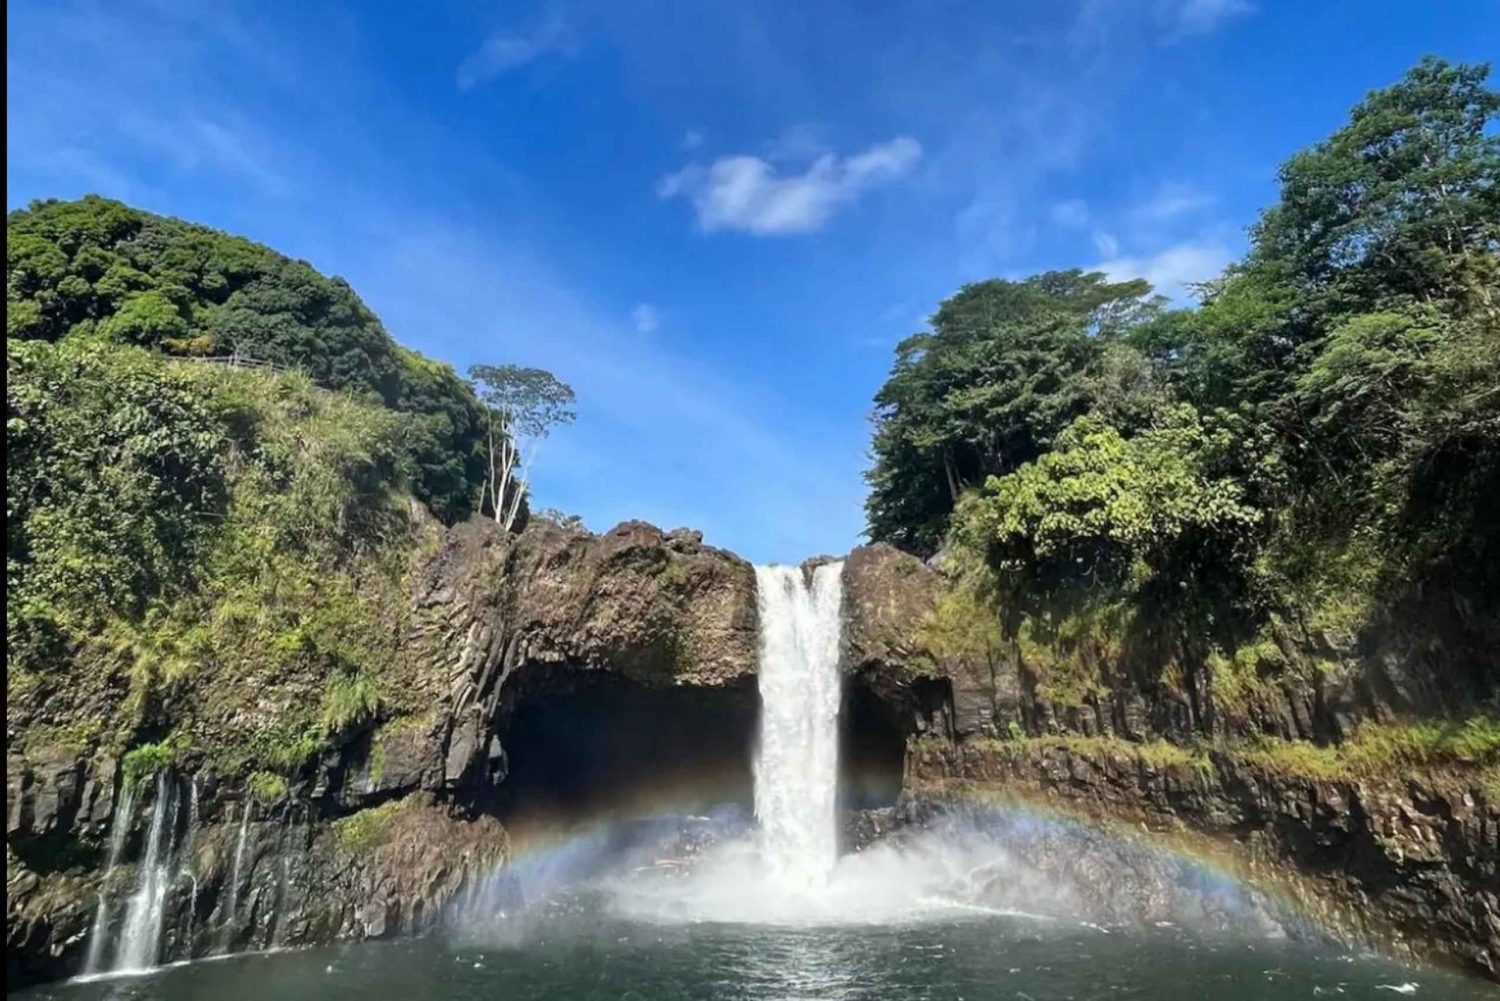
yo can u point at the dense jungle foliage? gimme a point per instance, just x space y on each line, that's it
97 269
222 551
1318 439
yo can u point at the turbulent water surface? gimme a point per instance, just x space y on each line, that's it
575 951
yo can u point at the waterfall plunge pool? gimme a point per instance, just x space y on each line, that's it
574 950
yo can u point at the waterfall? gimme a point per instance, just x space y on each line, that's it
796 762
283 867
234 876
185 868
141 939
99 935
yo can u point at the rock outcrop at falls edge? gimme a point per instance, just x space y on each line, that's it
374 835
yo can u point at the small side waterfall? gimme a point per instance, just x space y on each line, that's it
796 762
99 934
232 903
283 902
140 942
185 870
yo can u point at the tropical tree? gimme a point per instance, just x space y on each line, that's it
523 405
1006 366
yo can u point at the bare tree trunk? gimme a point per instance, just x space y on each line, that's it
952 476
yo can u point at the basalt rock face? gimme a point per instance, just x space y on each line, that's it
496 617
376 834
1412 865
887 596
379 832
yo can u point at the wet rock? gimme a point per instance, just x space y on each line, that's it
1414 867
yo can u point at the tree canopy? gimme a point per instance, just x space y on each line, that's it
1318 437
522 406
1006 367
98 268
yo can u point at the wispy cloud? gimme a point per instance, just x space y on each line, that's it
1199 17
1072 213
646 318
746 193
691 139
1171 202
1107 244
1173 271
509 50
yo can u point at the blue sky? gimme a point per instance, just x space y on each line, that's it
714 220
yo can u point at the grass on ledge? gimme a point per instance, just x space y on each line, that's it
1383 749
369 828
1156 753
1376 750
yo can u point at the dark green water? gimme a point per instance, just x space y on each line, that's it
575 955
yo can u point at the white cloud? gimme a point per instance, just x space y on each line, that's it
1173 270
506 51
646 317
1107 244
1072 213
1199 17
746 193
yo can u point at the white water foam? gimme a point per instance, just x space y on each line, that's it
140 942
796 762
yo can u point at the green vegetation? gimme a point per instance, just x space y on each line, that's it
1385 749
164 513
1154 754
267 788
521 407
284 748
210 536
1000 375
1489 782
961 627
368 829
1375 751
226 546
142 763
1161 491
350 701
96 269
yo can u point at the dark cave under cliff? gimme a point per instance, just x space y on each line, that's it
603 746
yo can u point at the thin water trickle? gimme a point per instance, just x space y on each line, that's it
186 856
796 762
232 903
283 905
99 935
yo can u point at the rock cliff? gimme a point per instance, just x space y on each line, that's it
558 670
